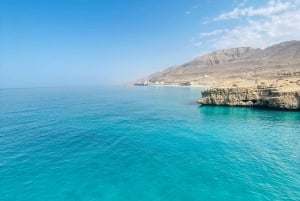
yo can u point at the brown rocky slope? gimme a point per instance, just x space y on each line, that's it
237 67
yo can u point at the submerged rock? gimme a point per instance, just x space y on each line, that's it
258 96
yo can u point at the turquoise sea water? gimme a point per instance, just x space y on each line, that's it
143 144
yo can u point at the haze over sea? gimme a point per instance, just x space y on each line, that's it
143 143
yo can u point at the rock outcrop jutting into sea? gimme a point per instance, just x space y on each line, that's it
260 96
242 76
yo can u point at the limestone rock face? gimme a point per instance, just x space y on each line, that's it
258 96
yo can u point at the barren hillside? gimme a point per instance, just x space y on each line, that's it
276 65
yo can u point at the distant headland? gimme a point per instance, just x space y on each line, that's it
242 76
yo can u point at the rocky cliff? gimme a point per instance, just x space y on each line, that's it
243 76
259 96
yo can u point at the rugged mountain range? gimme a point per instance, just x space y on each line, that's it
236 66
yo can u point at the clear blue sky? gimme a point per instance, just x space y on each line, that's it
92 42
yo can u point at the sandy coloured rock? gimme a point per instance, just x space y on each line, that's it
260 96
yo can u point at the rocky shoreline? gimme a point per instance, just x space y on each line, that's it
255 96
242 76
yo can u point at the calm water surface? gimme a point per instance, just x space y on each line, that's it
143 144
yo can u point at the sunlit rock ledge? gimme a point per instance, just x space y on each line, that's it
255 96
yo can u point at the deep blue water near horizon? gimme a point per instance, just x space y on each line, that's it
143 143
